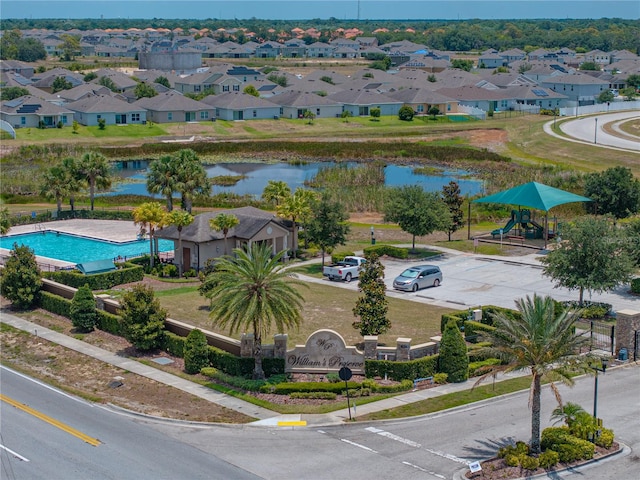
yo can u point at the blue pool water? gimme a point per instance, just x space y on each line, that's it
71 248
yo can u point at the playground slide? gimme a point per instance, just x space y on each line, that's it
510 224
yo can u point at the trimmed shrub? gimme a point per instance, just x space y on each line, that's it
389 250
398 371
315 395
605 439
569 448
482 367
174 344
143 318
130 273
453 359
548 459
108 322
195 352
512 460
440 378
339 256
635 285
459 318
288 388
20 278
83 310
529 463
473 330
55 304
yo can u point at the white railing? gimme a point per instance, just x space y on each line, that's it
6 126
599 108
473 111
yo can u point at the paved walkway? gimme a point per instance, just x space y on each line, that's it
265 417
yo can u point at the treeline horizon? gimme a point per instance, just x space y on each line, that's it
450 35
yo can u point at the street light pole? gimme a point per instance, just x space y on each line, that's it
595 133
595 393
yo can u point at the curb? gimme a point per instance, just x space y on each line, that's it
622 452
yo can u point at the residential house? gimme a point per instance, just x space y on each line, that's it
620 55
82 91
241 106
23 69
121 81
44 81
91 108
597 56
580 89
366 42
421 100
513 55
293 104
172 106
201 243
360 102
217 82
482 98
293 48
34 112
491 60
319 50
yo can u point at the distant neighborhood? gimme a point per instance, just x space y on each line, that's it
187 77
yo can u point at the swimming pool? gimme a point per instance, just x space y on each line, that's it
75 249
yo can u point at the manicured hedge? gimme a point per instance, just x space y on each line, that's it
106 322
569 448
174 344
287 388
459 317
488 312
389 250
635 285
398 371
473 330
478 368
339 256
99 281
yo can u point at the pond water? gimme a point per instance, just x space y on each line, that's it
258 174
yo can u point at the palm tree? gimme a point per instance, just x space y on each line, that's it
149 215
223 222
55 185
542 340
74 179
251 291
191 179
294 207
94 168
162 178
179 219
567 413
275 191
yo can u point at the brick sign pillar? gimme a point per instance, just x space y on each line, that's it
246 345
280 345
370 347
403 348
627 323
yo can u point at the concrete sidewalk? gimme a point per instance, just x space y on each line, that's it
265 417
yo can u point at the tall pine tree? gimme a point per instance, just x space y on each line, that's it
372 306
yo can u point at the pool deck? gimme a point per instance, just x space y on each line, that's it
111 230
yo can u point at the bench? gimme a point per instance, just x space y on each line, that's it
516 237
420 380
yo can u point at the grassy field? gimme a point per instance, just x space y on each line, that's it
325 306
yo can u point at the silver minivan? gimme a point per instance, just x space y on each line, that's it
421 276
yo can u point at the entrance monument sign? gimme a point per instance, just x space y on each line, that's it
324 352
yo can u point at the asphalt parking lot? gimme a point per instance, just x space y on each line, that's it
473 280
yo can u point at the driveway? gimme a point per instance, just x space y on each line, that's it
471 280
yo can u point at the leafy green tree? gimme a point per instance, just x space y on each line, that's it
102 123
296 207
628 93
90 76
309 116
417 212
196 352
614 191
142 318
372 307
375 113
179 219
453 200
75 127
55 185
276 191
632 234
162 178
590 66
633 80
14 47
251 90
434 112
70 46
83 310
466 65
406 113
328 226
9 44
606 96
149 216
109 83
20 280
541 340
452 357
144 90
59 84
162 80
346 115
95 169
278 79
223 222
5 221
432 78
591 256
191 178
9 93
252 292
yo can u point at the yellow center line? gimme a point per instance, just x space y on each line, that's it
52 421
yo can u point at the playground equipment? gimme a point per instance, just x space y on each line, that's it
523 224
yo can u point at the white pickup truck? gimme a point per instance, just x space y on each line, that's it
346 270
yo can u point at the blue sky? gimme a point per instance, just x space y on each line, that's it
309 9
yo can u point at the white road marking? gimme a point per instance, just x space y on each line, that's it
17 455
357 445
390 435
448 456
79 400
424 470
